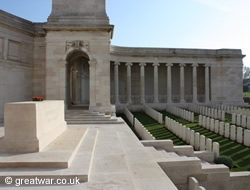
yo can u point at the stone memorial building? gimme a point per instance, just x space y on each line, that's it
70 58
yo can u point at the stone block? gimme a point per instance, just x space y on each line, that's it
216 114
248 122
247 138
244 121
234 119
208 123
184 133
216 149
227 128
204 119
239 135
238 120
31 126
202 142
216 126
200 120
197 141
223 115
192 138
188 133
219 114
211 124
233 133
209 144
221 128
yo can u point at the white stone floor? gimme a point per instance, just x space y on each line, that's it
120 162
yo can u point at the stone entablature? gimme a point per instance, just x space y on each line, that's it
175 52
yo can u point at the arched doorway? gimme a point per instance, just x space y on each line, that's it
78 80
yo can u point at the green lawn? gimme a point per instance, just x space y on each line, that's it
239 153
156 129
246 94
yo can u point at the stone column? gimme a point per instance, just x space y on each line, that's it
207 83
129 100
169 92
92 84
156 99
142 76
182 83
195 65
116 78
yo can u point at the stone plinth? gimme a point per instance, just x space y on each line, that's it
31 126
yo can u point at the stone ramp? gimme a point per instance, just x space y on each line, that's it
79 167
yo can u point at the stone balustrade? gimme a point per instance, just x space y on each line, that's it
184 114
224 129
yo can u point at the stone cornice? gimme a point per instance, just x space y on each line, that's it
21 24
176 52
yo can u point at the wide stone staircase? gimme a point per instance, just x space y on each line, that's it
76 116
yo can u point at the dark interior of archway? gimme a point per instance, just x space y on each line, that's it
77 81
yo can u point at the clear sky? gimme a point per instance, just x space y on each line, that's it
211 24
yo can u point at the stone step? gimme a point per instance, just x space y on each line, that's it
86 117
58 154
165 154
80 167
95 122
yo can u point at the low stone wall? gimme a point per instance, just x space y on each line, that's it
31 126
129 115
142 131
154 114
239 180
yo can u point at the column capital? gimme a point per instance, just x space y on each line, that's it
142 64
195 65
169 65
156 64
207 65
129 64
182 65
117 63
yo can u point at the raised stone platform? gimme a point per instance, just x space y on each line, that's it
79 161
58 154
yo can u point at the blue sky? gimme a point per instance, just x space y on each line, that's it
211 24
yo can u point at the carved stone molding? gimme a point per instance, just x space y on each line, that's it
77 45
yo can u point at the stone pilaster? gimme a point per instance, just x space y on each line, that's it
129 100
207 83
156 91
169 87
116 80
142 77
195 65
92 83
182 83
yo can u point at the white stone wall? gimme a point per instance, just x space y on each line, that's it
16 60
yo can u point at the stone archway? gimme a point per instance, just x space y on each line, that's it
78 80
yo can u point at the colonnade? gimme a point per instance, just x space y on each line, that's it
156 84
